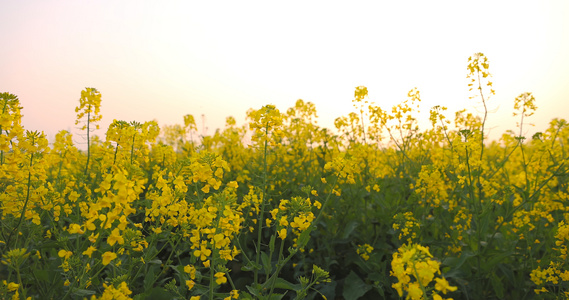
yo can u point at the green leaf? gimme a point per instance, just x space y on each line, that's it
508 274
255 291
304 237
497 285
83 293
276 296
43 275
272 244
489 264
149 279
266 262
251 266
349 229
283 284
158 293
354 287
456 262
378 278
328 289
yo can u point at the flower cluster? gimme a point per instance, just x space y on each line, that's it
364 251
415 270
294 214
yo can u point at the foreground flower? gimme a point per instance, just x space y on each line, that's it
190 284
415 269
220 278
89 251
64 253
443 285
107 257
121 292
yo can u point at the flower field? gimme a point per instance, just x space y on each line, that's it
281 208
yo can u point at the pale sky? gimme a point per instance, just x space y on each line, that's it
164 59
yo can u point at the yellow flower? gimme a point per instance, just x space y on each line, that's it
75 228
415 291
233 184
121 292
12 286
115 237
364 251
283 221
282 233
220 278
443 285
202 253
317 204
220 240
17 256
89 251
190 270
107 257
93 238
190 284
64 253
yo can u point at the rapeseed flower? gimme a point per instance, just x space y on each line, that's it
415 270
64 253
115 237
89 251
191 270
364 251
443 285
282 233
190 284
108 257
75 228
220 278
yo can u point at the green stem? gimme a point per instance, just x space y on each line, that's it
132 149
419 281
485 115
211 280
88 140
20 282
17 228
115 157
279 267
262 208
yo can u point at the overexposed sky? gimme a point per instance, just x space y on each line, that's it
164 59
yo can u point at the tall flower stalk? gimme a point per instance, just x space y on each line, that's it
90 109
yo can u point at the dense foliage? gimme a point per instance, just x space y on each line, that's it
281 208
